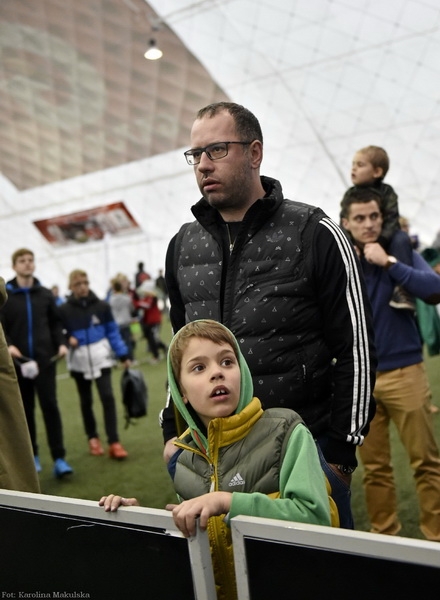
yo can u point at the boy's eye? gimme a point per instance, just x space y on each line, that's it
228 362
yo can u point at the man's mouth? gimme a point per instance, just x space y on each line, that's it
209 184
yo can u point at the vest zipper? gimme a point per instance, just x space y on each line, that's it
212 486
231 243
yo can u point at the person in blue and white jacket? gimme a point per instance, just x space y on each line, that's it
402 389
94 340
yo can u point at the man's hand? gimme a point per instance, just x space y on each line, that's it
202 507
375 254
169 449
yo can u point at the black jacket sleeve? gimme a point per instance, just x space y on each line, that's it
167 417
348 332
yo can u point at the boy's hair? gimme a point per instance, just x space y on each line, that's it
75 274
21 252
117 285
246 123
206 329
357 195
377 157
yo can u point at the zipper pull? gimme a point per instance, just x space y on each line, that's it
212 487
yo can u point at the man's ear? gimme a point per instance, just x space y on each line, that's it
256 152
344 222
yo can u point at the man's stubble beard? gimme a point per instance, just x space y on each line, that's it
236 196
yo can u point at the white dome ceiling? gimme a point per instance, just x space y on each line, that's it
325 78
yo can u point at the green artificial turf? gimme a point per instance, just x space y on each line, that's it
144 475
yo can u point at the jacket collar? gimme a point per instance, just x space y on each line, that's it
260 210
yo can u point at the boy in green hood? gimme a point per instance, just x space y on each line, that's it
235 458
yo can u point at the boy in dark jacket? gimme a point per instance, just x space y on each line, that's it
93 338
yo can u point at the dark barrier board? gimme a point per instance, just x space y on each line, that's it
275 559
66 548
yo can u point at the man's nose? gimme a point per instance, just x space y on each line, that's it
205 164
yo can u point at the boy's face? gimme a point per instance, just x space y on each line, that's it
362 171
80 286
24 265
364 222
210 379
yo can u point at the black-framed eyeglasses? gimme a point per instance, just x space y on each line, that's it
213 151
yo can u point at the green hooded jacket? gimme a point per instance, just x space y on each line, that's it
267 459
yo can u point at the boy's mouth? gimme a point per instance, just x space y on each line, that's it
220 391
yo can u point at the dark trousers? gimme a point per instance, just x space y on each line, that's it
341 492
45 386
127 336
152 335
105 391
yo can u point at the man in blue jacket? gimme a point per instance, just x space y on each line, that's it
402 390
34 336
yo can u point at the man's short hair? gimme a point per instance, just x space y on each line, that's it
246 123
357 195
21 252
378 157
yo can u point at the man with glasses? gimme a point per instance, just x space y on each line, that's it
284 278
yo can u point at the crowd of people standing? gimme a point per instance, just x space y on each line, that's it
321 319
40 327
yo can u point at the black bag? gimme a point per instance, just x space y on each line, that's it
134 395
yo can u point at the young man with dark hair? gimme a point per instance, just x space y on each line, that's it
34 335
402 390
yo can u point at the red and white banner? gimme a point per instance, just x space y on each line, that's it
88 225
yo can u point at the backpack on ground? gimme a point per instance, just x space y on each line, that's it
134 395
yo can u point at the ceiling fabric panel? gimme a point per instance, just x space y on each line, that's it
326 78
86 120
